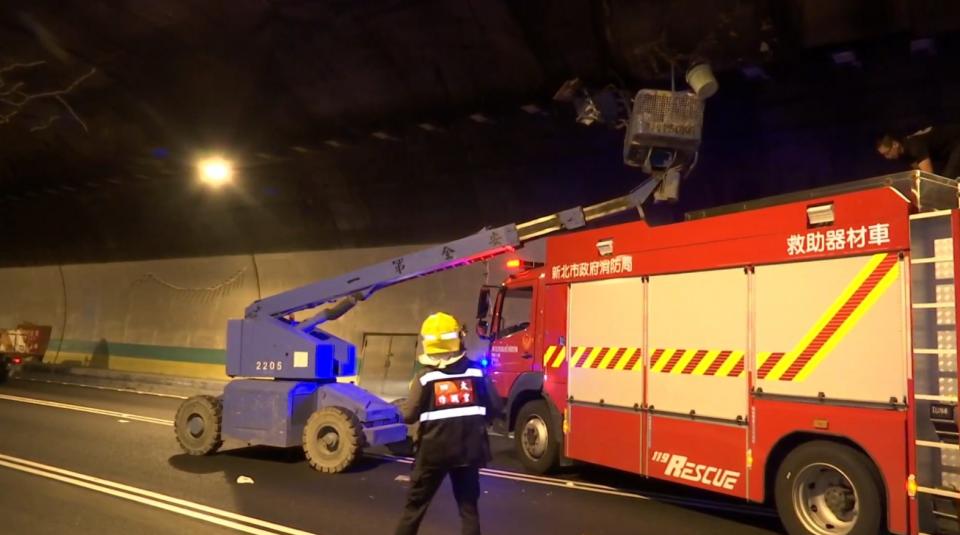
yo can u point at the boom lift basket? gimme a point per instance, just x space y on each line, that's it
662 120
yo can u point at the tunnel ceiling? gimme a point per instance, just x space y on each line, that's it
362 123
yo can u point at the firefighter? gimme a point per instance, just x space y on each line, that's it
453 401
921 148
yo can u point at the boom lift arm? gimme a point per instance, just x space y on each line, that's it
356 286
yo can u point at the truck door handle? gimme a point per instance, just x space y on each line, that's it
526 356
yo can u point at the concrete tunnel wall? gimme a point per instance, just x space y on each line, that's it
169 316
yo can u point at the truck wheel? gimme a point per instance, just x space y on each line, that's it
197 425
827 488
535 436
332 439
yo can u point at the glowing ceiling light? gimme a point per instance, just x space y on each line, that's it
215 171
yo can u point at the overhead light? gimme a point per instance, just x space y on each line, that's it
532 109
820 215
380 134
429 127
700 78
605 247
215 171
754 72
333 143
924 45
568 90
480 118
846 58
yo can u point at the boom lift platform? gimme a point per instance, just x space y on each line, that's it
286 391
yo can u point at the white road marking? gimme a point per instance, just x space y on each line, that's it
95 387
91 410
154 499
490 472
529 478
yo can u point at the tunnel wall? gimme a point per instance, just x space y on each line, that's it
169 316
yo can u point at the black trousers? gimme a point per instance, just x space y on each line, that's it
424 484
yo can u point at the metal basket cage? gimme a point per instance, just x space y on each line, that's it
658 115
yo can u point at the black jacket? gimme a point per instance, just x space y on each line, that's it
452 431
935 142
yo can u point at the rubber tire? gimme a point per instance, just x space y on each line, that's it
406 447
853 463
551 456
351 440
210 410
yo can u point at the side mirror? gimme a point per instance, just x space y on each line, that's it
483 329
483 304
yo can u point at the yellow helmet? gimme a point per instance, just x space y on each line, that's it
441 337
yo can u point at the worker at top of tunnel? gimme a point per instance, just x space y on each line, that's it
453 401
924 147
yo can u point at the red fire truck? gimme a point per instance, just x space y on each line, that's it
799 350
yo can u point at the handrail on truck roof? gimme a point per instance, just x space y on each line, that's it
925 190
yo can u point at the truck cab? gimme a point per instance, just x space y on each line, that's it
513 336
511 320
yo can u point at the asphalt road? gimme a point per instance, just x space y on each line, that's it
80 460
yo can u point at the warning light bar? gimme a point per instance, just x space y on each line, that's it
517 264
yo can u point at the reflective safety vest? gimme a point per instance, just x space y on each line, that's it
453 405
452 395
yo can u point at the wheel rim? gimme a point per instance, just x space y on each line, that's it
534 437
825 499
195 425
328 440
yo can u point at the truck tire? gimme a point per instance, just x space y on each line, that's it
197 425
332 439
828 488
535 436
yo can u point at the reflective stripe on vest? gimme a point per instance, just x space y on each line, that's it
443 414
440 376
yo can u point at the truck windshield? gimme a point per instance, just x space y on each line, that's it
515 311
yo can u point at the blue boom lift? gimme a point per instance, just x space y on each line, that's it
285 392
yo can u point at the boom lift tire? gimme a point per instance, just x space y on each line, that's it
535 436
332 439
405 448
198 425
825 488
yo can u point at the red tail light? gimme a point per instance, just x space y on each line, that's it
17 360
